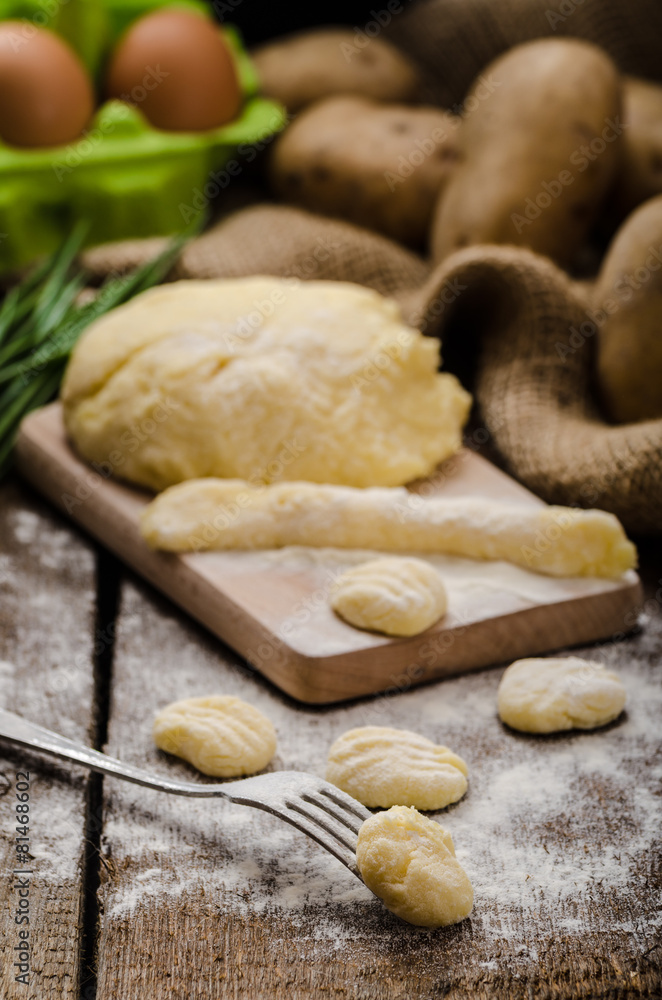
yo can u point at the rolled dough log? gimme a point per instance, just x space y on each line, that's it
232 514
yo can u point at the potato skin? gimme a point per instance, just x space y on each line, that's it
307 67
378 165
628 310
640 176
529 175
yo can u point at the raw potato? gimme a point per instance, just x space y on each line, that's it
219 734
393 595
263 379
539 147
409 861
230 514
552 695
379 165
640 175
628 305
307 67
395 767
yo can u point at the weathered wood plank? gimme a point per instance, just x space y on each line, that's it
47 602
559 834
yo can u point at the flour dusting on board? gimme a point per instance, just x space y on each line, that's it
476 589
548 823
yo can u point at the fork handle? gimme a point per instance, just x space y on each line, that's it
27 734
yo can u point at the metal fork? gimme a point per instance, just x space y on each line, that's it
317 808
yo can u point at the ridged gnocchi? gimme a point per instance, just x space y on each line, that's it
409 861
394 595
221 735
549 695
387 767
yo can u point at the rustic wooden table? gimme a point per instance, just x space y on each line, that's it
132 894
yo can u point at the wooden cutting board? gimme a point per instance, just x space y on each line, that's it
272 607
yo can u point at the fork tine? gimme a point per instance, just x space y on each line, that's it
323 812
347 820
358 813
302 820
321 818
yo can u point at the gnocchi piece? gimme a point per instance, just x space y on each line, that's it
379 165
550 695
394 595
387 767
409 861
219 734
306 67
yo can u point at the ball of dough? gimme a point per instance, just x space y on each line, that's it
219 734
550 695
261 379
388 767
409 861
309 66
379 165
394 595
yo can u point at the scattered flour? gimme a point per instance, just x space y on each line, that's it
547 823
260 864
54 548
26 525
527 832
7 672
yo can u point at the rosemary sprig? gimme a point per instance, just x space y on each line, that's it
40 322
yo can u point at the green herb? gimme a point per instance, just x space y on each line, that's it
40 322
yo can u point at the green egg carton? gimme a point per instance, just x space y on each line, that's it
127 178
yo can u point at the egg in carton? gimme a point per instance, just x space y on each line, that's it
147 160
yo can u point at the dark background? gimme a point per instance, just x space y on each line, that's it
259 20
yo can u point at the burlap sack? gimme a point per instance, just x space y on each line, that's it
517 318
453 40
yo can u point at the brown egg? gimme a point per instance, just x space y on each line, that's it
46 94
176 67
